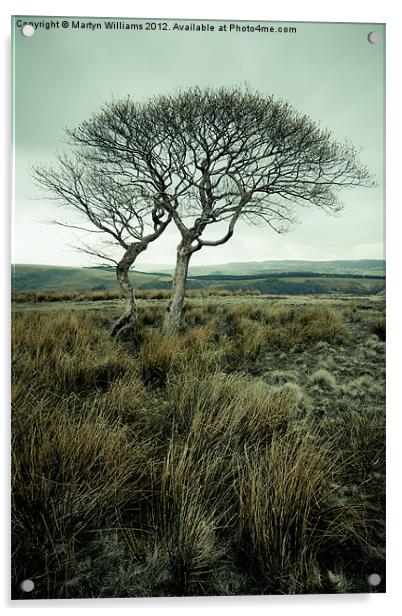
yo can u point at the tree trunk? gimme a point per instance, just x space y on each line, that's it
129 320
174 308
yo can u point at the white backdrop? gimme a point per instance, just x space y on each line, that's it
291 10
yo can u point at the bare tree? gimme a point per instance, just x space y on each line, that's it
110 207
211 156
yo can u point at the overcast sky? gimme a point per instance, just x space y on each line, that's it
328 71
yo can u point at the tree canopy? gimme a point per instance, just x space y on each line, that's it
205 156
201 151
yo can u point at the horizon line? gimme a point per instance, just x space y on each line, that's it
204 264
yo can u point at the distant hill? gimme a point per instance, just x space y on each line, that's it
370 267
57 278
364 266
346 277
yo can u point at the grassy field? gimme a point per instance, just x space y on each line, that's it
244 455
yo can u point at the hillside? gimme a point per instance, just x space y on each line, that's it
40 278
367 267
56 278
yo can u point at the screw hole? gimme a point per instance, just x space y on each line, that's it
27 30
374 37
27 585
374 579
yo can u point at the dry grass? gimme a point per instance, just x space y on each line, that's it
264 329
215 407
66 351
161 356
288 509
38 297
323 379
74 469
163 471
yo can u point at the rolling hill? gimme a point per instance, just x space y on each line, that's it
370 267
57 278
351 277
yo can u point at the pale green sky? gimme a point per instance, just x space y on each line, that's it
328 71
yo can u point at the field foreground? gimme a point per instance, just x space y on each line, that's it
245 455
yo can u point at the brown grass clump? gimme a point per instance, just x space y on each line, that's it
66 350
320 323
194 316
73 470
214 406
189 512
263 329
150 316
161 356
288 511
249 340
158 355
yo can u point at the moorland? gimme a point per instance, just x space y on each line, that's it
244 454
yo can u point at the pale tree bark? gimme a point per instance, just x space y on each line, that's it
112 207
174 307
191 243
128 322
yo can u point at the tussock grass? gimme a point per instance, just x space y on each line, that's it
190 513
263 314
158 356
67 351
151 315
161 356
363 388
174 469
263 329
230 408
280 377
287 505
73 470
323 379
